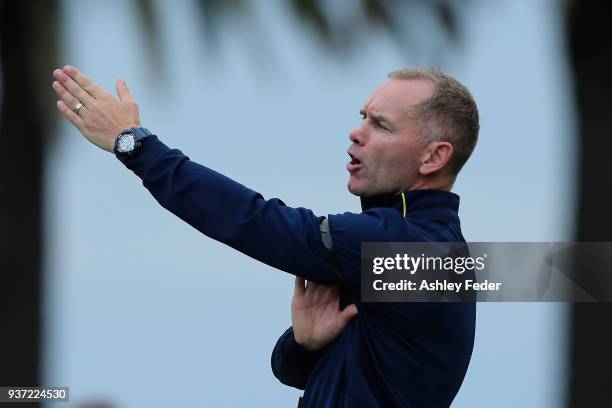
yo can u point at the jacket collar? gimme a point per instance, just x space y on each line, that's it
426 203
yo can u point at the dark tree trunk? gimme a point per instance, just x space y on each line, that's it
590 50
27 41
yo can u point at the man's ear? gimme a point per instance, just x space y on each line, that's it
438 156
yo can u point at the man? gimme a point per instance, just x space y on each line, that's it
419 128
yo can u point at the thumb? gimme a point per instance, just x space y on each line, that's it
345 316
122 91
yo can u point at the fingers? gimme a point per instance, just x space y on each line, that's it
72 87
345 316
66 96
299 288
313 291
84 82
318 292
70 115
122 91
312 286
325 293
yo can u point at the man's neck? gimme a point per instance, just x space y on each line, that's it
435 184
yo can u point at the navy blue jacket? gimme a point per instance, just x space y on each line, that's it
390 354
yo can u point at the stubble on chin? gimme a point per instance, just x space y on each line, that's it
355 189
360 188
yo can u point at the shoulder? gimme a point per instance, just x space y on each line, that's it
388 225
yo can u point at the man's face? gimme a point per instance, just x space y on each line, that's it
386 154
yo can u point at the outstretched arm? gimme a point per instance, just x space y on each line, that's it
285 238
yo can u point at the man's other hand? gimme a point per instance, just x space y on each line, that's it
315 312
99 116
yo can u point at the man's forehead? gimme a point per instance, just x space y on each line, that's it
396 96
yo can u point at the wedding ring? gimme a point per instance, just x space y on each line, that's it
77 107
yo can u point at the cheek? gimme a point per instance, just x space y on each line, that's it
397 161
390 157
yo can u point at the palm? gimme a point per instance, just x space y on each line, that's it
317 318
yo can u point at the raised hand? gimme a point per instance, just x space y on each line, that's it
99 116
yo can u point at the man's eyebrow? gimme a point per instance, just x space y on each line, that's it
380 117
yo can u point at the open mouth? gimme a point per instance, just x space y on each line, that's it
354 164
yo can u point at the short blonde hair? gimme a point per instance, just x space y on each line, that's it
449 114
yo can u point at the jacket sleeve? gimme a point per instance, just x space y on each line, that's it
292 363
285 238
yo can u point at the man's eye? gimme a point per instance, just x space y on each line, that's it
381 126
362 113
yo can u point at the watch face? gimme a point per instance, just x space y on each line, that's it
126 143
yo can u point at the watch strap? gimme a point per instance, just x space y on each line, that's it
139 133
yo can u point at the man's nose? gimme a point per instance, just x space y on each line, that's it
356 136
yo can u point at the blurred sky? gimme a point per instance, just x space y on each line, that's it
144 311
